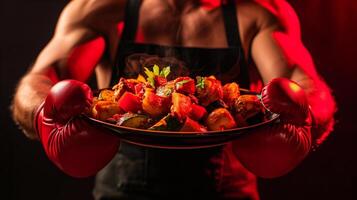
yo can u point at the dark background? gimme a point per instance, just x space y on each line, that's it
329 30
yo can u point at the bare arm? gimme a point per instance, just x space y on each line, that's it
278 52
81 21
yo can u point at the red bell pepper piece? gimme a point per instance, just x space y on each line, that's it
197 112
129 102
185 85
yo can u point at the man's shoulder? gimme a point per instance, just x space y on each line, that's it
268 13
96 14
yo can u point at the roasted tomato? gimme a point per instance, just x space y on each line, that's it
230 93
208 90
220 119
103 110
185 85
245 107
181 106
155 105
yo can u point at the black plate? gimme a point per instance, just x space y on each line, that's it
179 140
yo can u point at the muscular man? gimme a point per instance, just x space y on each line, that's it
252 42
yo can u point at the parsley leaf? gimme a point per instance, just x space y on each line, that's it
156 70
168 92
200 82
165 71
150 77
180 83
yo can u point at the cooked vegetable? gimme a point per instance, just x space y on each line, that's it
105 109
154 105
139 89
166 90
159 81
200 82
106 95
209 90
246 107
134 120
220 119
198 112
192 126
216 104
167 123
230 93
119 89
156 77
124 85
129 102
185 85
141 78
181 106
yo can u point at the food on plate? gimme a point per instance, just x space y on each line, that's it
154 105
103 110
220 119
134 120
247 110
184 104
209 90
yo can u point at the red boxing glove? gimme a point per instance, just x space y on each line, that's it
75 146
275 150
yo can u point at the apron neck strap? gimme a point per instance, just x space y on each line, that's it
131 20
231 23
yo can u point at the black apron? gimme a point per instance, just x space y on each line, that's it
148 173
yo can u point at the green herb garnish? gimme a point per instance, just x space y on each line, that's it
180 83
168 92
165 71
156 72
150 77
200 82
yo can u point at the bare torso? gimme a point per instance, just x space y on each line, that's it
192 25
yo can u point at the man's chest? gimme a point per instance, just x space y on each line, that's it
198 27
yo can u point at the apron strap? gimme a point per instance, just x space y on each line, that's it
131 20
128 35
231 23
233 38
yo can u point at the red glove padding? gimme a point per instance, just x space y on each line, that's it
78 148
275 150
